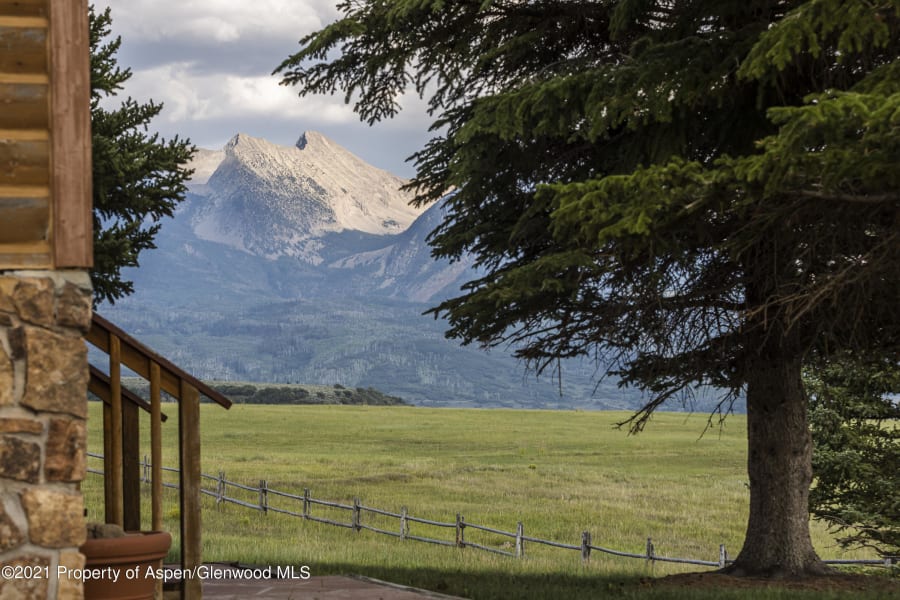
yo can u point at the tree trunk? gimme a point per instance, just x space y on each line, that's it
779 464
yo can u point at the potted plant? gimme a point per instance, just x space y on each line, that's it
130 561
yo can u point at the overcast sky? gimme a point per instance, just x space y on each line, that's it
210 63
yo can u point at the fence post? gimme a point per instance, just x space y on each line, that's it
585 547
146 470
356 526
460 531
650 550
263 496
723 556
520 543
306 503
220 489
404 524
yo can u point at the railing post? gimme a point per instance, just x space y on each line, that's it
156 482
189 443
356 521
404 523
723 556
460 531
650 550
131 467
115 509
520 543
108 497
306 503
585 546
263 496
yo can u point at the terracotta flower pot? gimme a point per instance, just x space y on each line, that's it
122 568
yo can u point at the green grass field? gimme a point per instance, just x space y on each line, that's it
559 473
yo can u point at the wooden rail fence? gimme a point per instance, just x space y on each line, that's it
218 487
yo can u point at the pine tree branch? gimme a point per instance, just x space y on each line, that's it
855 198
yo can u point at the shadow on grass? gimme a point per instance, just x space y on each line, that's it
490 585
499 585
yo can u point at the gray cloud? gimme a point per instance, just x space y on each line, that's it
210 62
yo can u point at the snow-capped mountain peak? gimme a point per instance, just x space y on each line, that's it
272 200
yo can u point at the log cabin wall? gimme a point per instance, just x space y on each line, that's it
45 152
25 135
45 293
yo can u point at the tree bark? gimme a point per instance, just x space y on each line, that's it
779 464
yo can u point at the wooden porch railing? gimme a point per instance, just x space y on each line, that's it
121 437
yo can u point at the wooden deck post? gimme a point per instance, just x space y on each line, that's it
108 497
189 435
115 510
131 467
156 486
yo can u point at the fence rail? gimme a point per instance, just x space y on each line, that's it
460 525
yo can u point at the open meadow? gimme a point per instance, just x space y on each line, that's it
559 473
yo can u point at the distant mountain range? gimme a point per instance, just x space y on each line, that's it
306 265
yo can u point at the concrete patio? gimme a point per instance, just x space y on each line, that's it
326 587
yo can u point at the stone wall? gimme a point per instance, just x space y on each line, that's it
43 406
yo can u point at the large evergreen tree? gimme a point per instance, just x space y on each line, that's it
138 177
695 192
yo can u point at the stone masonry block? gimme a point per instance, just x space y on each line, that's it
73 308
34 588
33 299
55 518
11 425
7 285
7 379
56 375
65 458
70 588
10 534
19 460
